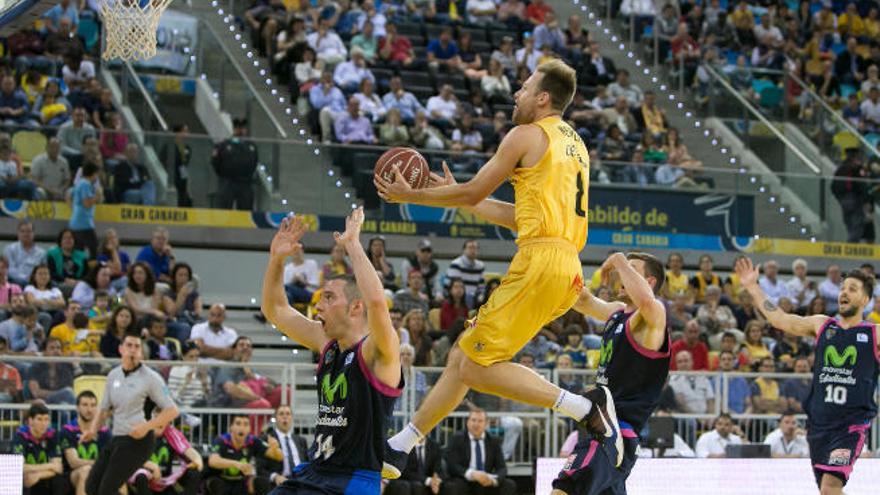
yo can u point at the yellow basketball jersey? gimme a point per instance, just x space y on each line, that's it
551 197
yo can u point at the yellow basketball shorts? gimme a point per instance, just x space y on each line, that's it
543 283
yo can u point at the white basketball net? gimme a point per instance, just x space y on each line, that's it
130 27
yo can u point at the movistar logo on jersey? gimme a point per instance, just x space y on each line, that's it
606 351
329 390
162 456
87 452
833 358
41 458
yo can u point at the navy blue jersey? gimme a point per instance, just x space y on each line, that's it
354 411
634 375
36 450
251 448
87 451
844 376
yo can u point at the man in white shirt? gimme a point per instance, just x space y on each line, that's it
766 33
770 283
443 107
871 109
348 75
293 447
623 87
301 278
24 255
713 444
213 338
800 289
693 394
481 11
469 269
327 44
51 172
829 289
787 441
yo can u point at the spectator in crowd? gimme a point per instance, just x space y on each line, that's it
72 133
619 116
548 33
418 380
676 280
745 310
469 269
454 306
189 384
829 289
398 98
396 49
506 56
600 70
796 390
294 448
713 444
753 348
59 43
704 278
366 41
789 348
158 255
653 116
414 330
327 44
116 259
159 475
413 297
376 254
81 456
7 288
66 331
21 332
242 387
442 52
51 381
264 19
766 396
235 161
371 105
141 295
424 471
122 322
301 278
353 128
180 154
328 102
425 135
474 458
693 394
42 295
678 313
739 393
348 75
770 282
14 106
852 192
182 302
481 12
158 347
495 86
98 279
23 255
623 87
131 180
712 316
233 457
37 442
87 193
392 132
787 441
513 14
13 182
336 265
67 264
692 343
443 108
50 172
799 288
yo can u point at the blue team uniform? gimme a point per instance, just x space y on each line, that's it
636 377
354 411
841 402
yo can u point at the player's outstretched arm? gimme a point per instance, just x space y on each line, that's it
511 150
491 210
275 306
806 326
382 348
650 309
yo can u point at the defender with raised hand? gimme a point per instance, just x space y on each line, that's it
633 367
841 405
359 375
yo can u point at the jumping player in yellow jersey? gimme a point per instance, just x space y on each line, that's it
547 163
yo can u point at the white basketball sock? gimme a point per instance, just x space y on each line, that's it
406 438
572 405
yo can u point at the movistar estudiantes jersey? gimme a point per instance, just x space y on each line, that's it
844 376
354 411
36 450
87 451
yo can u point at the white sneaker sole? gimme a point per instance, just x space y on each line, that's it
611 424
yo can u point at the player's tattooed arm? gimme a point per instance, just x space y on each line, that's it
797 325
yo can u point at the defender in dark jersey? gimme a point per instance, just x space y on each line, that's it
633 366
80 456
841 403
359 375
233 458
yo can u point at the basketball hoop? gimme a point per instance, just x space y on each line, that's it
130 26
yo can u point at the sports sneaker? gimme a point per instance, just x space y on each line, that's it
394 463
602 419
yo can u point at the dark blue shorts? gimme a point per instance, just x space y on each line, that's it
835 451
308 481
592 471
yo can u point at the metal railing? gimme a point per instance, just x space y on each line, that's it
131 75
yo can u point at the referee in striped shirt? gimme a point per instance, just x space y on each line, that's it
129 386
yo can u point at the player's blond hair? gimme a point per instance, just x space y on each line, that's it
560 81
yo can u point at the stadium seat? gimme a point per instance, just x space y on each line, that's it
771 97
483 48
412 78
94 383
28 144
88 30
760 84
845 140
847 89
477 34
873 139
432 31
409 29
495 37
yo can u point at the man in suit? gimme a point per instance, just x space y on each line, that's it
599 69
294 448
475 462
423 473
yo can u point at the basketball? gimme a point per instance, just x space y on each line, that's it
411 163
